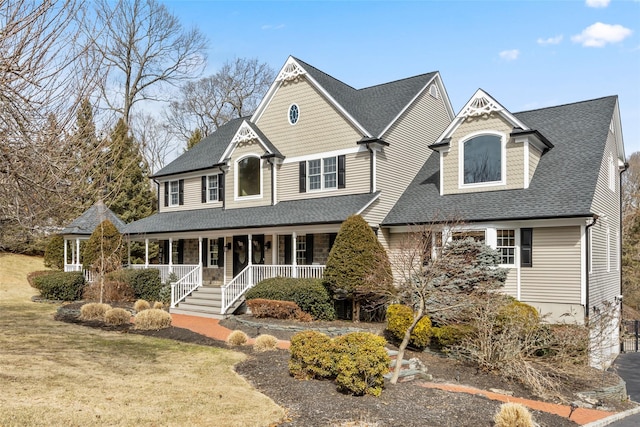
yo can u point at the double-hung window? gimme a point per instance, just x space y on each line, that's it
322 173
301 250
506 245
213 252
174 193
212 188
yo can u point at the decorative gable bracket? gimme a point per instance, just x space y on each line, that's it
481 105
244 134
291 71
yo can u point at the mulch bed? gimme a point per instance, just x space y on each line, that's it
318 403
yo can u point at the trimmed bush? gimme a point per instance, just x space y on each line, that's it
450 335
310 295
521 314
117 316
265 343
94 311
152 319
361 362
54 252
113 291
141 305
236 338
312 355
276 309
32 276
400 317
62 286
513 415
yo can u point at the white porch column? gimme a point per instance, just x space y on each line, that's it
274 249
224 268
294 254
129 252
78 251
146 253
170 254
200 250
250 255
66 242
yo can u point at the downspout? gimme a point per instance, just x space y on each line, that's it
372 184
587 263
626 166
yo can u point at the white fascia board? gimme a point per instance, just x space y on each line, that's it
376 197
270 93
232 145
344 151
617 124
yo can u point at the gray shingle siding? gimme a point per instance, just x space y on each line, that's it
563 184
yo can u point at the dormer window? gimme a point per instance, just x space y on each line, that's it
482 160
248 179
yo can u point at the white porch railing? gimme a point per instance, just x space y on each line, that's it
88 274
183 287
253 274
180 270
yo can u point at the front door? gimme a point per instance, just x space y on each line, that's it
240 254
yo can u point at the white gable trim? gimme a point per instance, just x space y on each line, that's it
617 126
245 133
369 203
481 103
291 70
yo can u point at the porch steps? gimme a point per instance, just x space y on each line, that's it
205 301
410 370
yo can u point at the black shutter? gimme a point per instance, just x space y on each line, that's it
205 252
341 171
204 189
181 192
180 251
221 252
526 247
309 254
303 177
221 187
166 193
287 250
332 240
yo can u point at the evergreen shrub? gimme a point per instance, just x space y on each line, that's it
450 335
361 362
277 309
519 313
312 355
399 319
31 276
62 286
146 283
54 252
310 295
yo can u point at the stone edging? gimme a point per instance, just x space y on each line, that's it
331 331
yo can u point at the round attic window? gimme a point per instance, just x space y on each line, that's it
294 114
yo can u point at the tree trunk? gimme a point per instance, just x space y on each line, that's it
355 312
403 345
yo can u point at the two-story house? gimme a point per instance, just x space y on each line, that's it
265 195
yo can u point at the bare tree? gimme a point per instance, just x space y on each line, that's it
155 141
433 276
206 104
143 47
44 75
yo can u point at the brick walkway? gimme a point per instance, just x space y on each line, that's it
212 328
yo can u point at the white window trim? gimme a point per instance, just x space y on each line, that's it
322 173
503 160
301 241
235 180
516 246
289 114
177 182
210 264
209 200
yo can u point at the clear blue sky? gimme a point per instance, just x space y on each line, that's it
526 54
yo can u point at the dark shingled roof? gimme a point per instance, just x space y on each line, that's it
373 107
86 223
206 153
325 210
563 184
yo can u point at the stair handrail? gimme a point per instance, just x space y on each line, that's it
233 290
185 286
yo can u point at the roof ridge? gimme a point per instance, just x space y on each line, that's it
306 64
398 80
567 104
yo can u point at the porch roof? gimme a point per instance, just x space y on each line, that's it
86 223
324 210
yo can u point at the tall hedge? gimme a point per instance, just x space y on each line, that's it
54 252
60 285
105 249
358 267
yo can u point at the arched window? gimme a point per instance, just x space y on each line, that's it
482 159
248 177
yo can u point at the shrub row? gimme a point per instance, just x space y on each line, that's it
310 295
112 290
356 361
62 286
277 309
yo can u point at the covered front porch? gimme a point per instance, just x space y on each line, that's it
224 265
